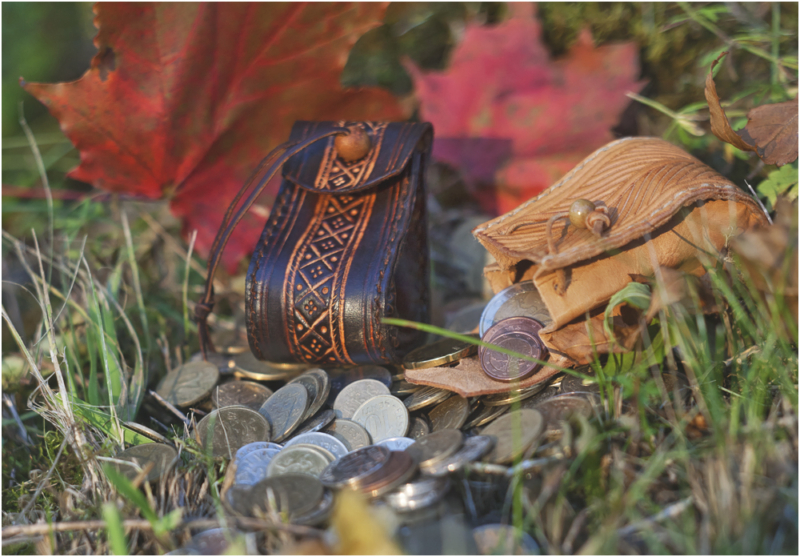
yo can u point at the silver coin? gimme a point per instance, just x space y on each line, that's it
344 376
383 416
450 414
418 494
518 300
436 447
352 434
299 459
559 408
225 431
252 468
318 384
285 409
318 515
355 466
419 428
474 448
356 394
316 423
424 397
499 539
324 440
396 443
257 446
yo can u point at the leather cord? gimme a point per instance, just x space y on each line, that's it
232 217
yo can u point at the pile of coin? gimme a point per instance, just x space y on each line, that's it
309 432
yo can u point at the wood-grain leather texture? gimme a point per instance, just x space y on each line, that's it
344 246
666 208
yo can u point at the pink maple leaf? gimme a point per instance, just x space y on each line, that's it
506 114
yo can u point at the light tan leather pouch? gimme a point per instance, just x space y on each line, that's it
664 208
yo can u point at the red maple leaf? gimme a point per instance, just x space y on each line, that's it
505 113
182 100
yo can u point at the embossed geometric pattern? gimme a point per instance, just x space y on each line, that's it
319 269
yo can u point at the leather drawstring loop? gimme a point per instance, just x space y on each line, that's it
232 218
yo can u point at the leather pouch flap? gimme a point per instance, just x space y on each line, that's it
319 169
642 181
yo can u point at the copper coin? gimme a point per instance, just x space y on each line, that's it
240 393
353 467
520 334
398 469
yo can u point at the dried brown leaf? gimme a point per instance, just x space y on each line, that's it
771 130
720 126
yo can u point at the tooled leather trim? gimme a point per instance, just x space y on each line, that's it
317 271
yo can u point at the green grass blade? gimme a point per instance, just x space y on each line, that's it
125 488
114 530
137 285
472 340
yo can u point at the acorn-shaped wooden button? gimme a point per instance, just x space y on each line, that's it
354 145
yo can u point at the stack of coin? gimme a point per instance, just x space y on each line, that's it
374 470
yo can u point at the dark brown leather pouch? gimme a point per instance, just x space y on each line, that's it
344 246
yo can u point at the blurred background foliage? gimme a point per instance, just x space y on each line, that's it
52 41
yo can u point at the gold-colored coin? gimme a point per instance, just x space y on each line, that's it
515 433
243 393
247 365
161 456
439 353
427 396
188 384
